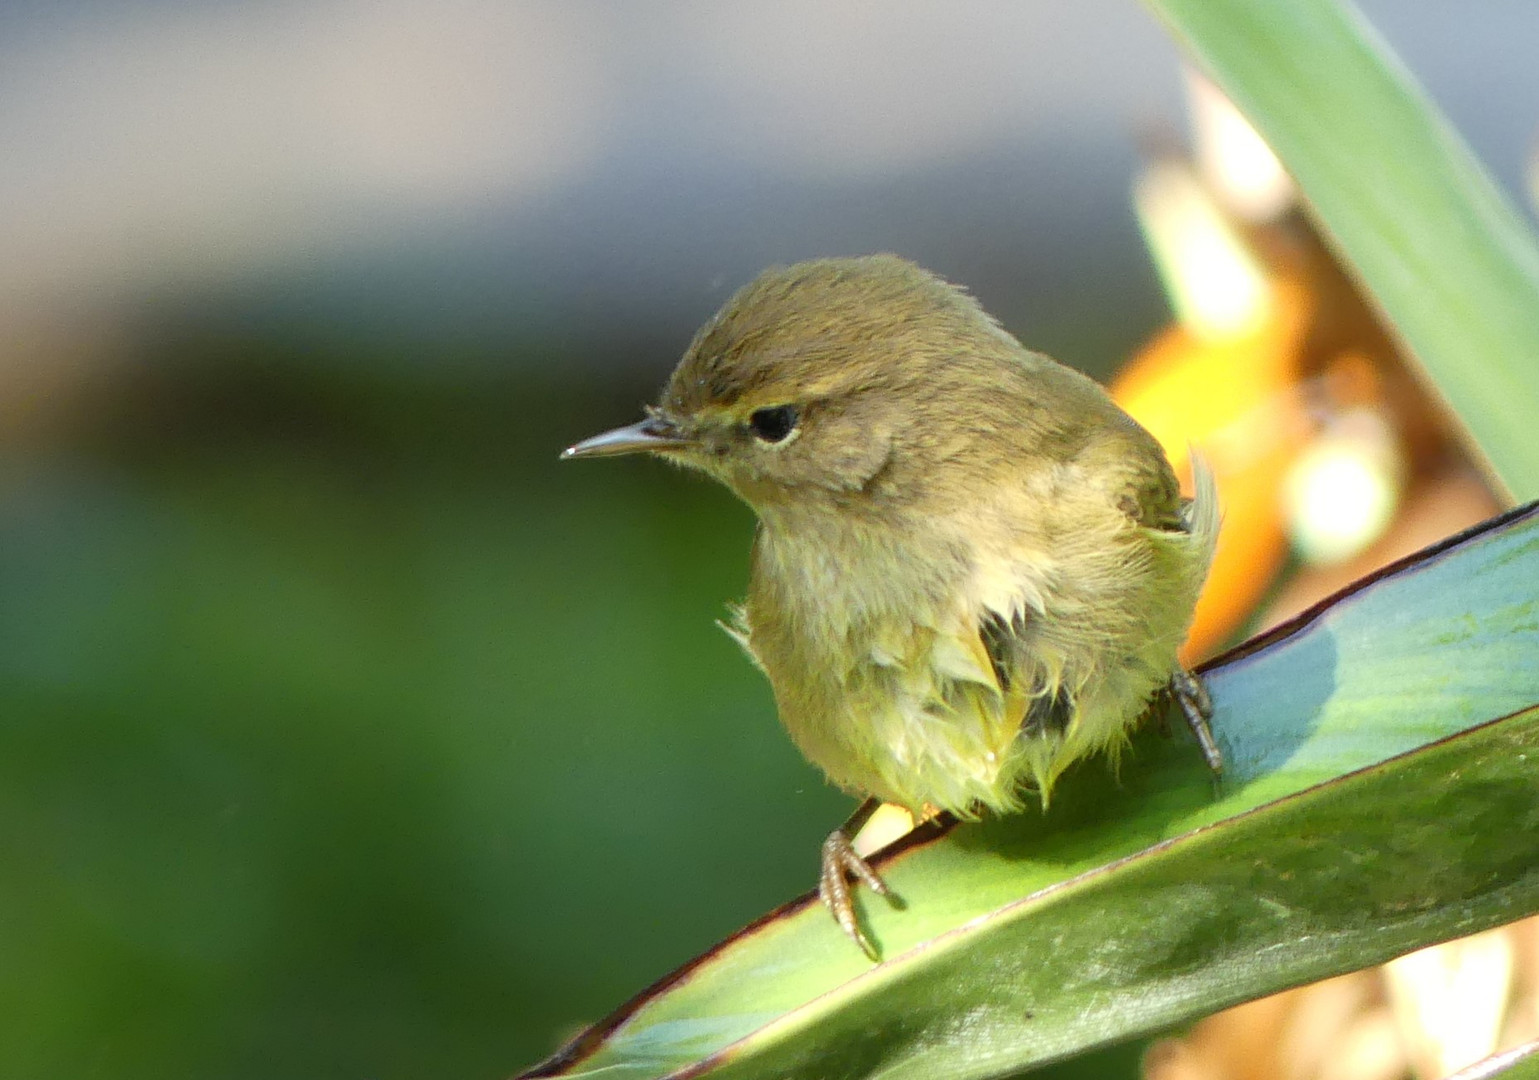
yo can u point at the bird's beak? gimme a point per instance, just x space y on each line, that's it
653 433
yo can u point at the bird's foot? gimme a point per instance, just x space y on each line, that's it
841 862
1192 696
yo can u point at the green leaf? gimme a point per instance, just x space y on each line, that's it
1403 200
1380 795
1520 1063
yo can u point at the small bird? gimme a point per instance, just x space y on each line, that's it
971 568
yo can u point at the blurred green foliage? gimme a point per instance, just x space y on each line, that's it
347 733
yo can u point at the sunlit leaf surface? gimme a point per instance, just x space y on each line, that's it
1380 795
1521 1063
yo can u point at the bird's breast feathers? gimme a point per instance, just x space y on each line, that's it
938 676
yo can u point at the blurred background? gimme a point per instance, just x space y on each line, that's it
342 731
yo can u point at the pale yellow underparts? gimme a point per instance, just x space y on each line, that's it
896 695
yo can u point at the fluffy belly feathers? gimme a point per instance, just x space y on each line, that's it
911 701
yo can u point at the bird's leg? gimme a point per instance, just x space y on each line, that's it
1197 707
840 859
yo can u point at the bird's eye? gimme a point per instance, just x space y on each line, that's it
774 424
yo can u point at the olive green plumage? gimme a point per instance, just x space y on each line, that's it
941 479
971 567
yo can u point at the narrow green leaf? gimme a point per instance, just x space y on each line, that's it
1520 1063
1426 232
1380 795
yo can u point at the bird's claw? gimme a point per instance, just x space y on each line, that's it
840 860
1192 696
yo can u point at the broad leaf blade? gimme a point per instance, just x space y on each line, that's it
1309 886
1519 1063
1401 197
1397 725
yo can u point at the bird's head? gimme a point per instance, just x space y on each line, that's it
818 381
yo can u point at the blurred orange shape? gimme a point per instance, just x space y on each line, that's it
1236 401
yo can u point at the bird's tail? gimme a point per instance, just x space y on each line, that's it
1202 514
